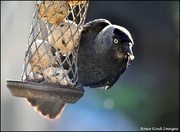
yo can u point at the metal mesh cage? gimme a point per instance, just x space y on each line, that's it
52 49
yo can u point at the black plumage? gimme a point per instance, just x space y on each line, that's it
104 53
48 109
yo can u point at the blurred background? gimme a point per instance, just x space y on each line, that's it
146 95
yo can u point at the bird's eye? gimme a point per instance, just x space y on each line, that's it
116 41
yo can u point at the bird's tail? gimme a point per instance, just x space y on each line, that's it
47 109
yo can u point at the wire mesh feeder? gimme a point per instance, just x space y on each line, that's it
50 64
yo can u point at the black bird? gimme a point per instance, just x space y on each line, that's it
104 53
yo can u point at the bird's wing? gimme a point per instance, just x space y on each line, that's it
86 50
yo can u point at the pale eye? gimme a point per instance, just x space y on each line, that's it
116 41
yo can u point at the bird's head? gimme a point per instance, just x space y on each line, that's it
119 40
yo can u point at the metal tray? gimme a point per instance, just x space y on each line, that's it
46 92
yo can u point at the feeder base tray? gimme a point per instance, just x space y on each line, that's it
46 92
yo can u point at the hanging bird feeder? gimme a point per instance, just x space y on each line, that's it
50 63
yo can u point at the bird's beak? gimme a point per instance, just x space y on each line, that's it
128 50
